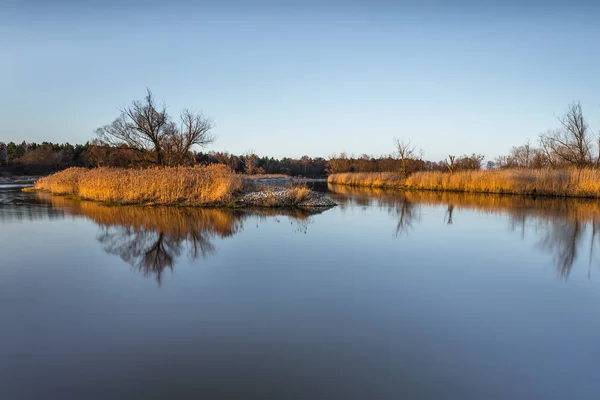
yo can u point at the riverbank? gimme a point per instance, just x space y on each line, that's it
198 186
583 182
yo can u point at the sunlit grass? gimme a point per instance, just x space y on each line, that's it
566 183
368 179
184 186
190 186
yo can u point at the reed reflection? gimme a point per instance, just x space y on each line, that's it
151 239
567 229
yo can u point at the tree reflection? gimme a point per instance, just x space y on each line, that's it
407 214
565 228
595 228
151 239
561 239
562 226
402 207
448 215
151 252
147 251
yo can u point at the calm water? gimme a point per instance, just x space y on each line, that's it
387 296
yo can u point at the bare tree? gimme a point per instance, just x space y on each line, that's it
546 149
572 143
598 157
472 162
250 160
406 151
451 159
151 133
522 156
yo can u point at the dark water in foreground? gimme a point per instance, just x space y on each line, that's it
388 296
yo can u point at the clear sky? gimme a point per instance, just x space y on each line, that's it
294 78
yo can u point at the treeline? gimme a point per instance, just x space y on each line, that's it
365 163
33 159
251 163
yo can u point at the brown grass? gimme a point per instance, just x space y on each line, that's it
300 192
188 186
368 179
563 183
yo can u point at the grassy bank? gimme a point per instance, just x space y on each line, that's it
368 179
213 185
564 183
187 186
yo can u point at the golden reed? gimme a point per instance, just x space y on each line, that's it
368 179
583 182
187 186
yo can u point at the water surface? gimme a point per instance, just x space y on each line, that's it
389 295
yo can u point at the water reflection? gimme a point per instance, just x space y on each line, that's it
150 239
407 213
567 229
16 206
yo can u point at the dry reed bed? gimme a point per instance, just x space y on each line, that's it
184 186
563 183
188 186
368 179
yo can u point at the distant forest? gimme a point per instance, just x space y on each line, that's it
44 158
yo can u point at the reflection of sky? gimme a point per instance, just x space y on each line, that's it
468 310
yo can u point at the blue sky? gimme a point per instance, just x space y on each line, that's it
288 79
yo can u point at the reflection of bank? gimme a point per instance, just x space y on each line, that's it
152 238
16 206
567 228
